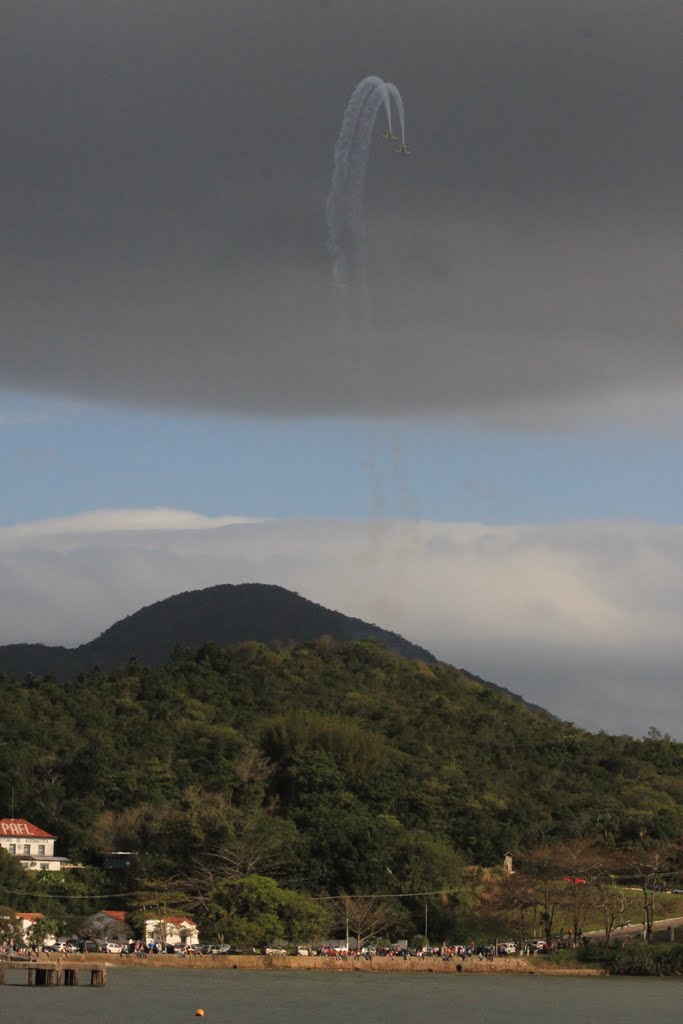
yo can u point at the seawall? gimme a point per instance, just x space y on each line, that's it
414 965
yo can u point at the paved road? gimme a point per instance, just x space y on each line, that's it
636 929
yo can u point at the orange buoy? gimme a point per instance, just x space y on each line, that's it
199 1013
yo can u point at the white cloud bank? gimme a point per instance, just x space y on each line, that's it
582 618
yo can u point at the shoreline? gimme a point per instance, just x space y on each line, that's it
378 965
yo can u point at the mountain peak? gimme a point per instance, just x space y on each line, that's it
224 614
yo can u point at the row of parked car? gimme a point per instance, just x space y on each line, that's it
95 946
203 949
81 946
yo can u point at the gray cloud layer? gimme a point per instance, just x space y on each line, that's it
581 618
166 170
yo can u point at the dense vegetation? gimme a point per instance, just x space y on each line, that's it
328 766
636 959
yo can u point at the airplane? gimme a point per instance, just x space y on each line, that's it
390 136
403 149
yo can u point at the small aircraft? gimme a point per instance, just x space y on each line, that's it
403 149
390 136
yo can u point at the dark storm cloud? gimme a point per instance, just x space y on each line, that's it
164 180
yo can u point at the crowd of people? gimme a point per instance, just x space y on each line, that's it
443 952
139 949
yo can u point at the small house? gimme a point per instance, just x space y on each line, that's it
171 931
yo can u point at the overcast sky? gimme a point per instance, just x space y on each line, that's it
581 618
171 337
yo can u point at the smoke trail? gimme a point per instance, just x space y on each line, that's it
344 210
335 215
347 247
393 93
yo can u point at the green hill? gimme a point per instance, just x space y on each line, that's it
351 766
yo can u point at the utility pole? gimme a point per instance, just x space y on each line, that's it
426 923
347 931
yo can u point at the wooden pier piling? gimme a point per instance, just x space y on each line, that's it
59 973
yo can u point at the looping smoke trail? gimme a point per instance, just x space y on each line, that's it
334 210
347 244
344 210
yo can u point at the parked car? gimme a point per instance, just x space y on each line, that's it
65 946
507 948
221 949
274 951
111 947
89 946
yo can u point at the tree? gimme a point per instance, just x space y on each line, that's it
546 887
13 878
615 903
42 928
255 845
10 929
579 897
581 863
157 900
647 866
260 913
367 916
548 898
514 901
565 878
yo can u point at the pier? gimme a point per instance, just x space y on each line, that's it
68 973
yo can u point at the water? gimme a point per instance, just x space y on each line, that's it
168 996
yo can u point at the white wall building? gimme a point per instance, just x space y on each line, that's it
171 930
34 847
26 923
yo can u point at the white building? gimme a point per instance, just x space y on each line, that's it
26 923
34 847
171 930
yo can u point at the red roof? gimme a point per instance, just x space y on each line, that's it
118 915
18 827
180 920
30 917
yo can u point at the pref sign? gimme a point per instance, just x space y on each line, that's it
14 828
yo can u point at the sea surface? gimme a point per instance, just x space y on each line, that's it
153 995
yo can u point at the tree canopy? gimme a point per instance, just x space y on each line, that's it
328 767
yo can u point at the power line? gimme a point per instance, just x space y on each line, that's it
121 895
387 895
67 896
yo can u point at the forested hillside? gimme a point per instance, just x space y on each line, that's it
358 761
246 780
